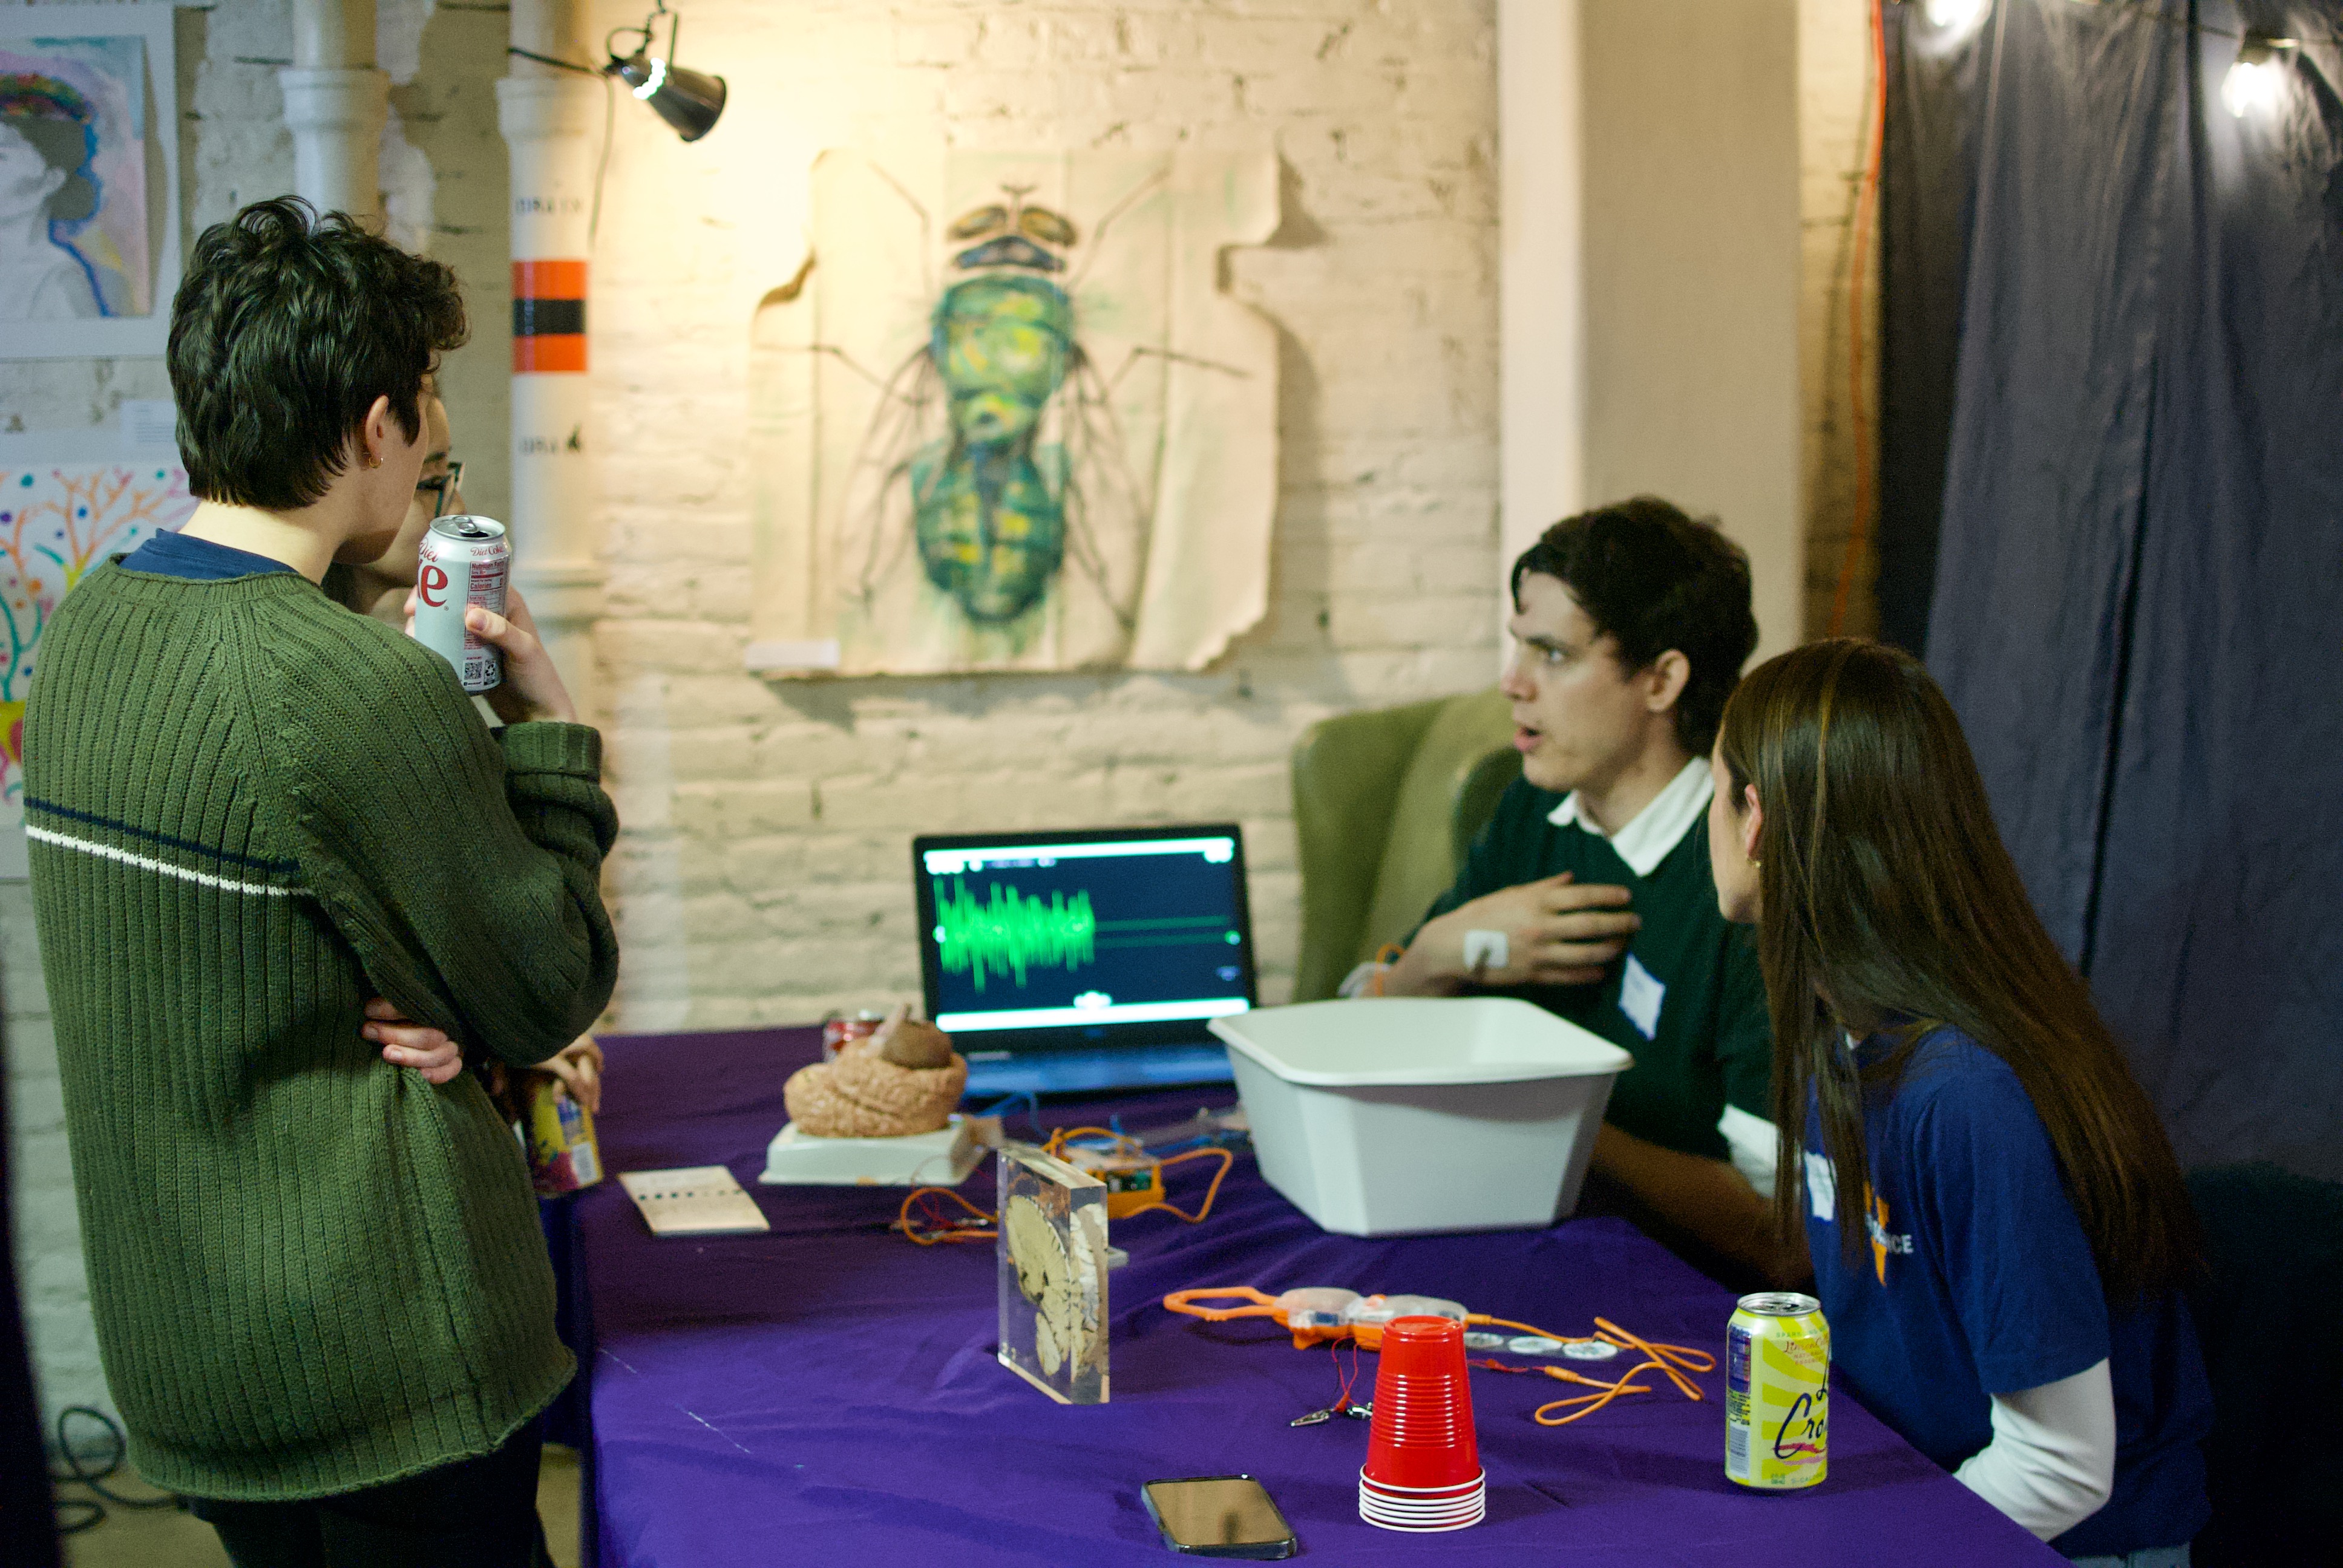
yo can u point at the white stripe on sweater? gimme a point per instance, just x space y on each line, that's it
225 884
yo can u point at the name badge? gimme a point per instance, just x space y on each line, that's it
1640 996
1822 1186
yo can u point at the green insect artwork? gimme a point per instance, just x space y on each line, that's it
990 497
1006 487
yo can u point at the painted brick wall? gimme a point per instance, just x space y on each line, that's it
763 875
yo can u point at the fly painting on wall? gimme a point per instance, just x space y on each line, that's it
1007 417
88 239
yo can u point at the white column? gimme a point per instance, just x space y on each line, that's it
1690 251
335 102
548 119
1541 310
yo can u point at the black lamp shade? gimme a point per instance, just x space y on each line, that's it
688 100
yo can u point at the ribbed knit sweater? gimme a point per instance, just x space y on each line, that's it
251 810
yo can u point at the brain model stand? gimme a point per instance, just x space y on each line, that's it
1053 1261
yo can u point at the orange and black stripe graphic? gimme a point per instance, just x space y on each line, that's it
548 316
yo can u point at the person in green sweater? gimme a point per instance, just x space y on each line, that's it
1589 892
322 1299
380 588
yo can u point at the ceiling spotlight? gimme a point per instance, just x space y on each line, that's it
2254 81
687 99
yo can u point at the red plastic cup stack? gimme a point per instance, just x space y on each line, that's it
1424 1465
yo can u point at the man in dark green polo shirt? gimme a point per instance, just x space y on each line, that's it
1589 892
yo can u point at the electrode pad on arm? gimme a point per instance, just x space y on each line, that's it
1485 950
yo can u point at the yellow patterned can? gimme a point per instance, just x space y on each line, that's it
556 1134
1776 1391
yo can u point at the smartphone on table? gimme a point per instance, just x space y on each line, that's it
1219 1516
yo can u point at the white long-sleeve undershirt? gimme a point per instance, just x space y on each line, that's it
2051 1461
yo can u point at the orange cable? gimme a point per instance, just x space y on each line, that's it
1590 1402
930 1230
1055 1147
1227 1161
1528 1329
941 1229
1866 200
1667 1358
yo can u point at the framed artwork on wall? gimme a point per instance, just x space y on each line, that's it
89 180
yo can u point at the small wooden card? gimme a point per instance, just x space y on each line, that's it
697 1200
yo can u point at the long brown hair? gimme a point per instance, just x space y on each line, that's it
1889 898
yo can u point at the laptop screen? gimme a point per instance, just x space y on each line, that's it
1114 936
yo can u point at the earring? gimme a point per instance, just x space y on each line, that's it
374 462
1754 863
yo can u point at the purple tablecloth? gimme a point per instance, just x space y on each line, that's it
827 1394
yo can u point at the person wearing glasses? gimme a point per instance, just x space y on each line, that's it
378 589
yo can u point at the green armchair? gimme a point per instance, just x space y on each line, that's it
1385 805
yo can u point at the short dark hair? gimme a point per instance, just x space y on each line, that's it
286 327
1654 579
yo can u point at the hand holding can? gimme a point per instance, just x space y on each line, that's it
465 561
531 688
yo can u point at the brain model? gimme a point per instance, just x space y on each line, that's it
899 1082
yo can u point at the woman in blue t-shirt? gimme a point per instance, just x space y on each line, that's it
1998 1224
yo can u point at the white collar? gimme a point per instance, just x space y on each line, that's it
1659 827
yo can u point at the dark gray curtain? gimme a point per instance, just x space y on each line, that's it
27 1521
1927 190
2138 606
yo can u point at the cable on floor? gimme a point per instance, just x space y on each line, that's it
75 1514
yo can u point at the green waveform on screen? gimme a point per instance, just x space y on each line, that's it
1009 933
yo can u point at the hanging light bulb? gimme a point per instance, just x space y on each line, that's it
2253 83
688 100
1957 16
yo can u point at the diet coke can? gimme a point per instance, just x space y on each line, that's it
466 561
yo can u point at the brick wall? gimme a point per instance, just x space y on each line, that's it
763 875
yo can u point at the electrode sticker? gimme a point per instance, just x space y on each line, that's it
1477 1341
1589 1351
1533 1345
1485 950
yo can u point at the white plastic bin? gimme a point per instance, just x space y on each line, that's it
1389 1115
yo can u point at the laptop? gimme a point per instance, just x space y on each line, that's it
1068 962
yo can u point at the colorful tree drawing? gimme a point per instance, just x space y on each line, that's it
55 523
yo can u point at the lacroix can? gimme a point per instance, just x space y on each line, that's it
1776 1391
559 1135
465 560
